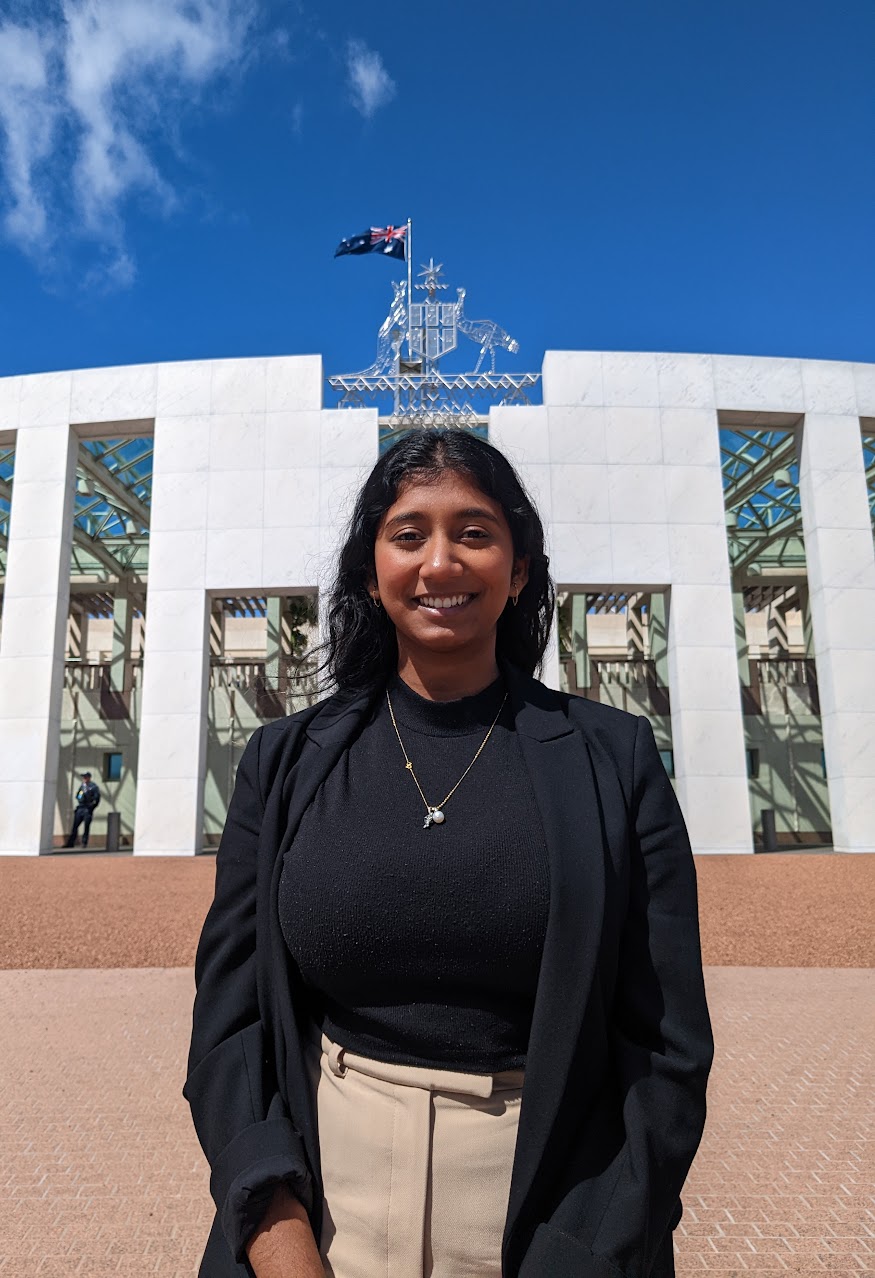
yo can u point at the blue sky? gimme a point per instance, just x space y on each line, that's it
692 175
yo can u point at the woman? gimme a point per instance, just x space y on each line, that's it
450 1016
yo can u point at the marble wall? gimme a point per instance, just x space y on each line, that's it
253 480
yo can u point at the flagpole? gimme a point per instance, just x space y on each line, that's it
409 287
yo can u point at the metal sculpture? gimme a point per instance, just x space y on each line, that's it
421 393
486 334
390 338
431 324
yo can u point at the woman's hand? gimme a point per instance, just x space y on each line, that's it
283 1246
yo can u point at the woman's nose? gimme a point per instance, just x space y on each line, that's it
442 556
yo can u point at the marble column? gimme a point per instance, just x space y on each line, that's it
706 721
172 753
274 640
706 713
522 434
658 632
550 663
841 579
36 599
171 763
122 630
805 608
741 643
217 628
579 643
77 646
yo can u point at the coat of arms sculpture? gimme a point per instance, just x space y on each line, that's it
421 394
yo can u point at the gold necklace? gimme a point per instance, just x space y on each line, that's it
434 813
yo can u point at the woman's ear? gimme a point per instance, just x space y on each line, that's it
520 573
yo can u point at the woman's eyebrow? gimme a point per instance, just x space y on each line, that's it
477 512
405 516
472 512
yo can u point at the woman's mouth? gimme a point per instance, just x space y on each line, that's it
442 605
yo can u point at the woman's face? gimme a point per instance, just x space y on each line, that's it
445 566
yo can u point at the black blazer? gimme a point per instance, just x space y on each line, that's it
613 1103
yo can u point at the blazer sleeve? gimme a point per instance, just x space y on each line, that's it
662 1045
241 1121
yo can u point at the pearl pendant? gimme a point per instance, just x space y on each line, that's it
434 816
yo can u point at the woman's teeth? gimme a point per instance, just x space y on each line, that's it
443 601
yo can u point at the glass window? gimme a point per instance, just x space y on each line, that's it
112 766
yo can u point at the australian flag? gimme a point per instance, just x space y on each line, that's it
389 240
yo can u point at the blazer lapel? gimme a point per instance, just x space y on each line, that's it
561 772
332 731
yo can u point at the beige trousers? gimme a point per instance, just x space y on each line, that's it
416 1166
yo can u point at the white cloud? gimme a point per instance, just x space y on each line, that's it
370 84
82 97
118 270
28 116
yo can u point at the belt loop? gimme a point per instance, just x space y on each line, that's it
335 1060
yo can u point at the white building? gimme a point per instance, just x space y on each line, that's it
710 532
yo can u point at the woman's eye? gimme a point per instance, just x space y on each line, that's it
411 536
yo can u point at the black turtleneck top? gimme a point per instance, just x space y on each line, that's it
422 946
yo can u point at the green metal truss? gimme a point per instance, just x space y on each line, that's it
869 461
761 494
111 511
7 461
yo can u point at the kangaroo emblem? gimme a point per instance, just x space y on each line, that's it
391 335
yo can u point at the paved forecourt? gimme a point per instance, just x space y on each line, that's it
103 1174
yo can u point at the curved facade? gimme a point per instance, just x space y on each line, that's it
710 532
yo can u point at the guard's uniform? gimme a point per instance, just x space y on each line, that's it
87 799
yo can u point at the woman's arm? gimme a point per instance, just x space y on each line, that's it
246 1132
283 1245
615 1217
662 1044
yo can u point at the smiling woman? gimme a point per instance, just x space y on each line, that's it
442 515
445 566
474 1043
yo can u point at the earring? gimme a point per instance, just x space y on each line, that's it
376 599
515 598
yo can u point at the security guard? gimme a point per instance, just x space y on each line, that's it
87 799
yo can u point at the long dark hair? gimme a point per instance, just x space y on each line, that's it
362 648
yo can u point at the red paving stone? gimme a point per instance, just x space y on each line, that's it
103 1175
777 910
784 1180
